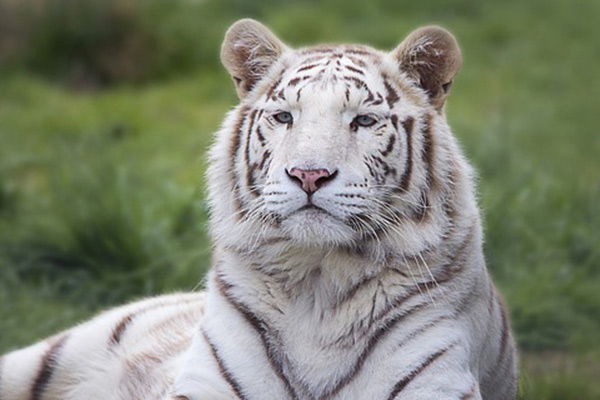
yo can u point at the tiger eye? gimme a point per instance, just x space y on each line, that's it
365 121
283 117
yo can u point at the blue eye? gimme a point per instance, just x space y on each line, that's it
283 117
365 120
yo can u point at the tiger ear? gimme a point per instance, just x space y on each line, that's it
431 56
248 51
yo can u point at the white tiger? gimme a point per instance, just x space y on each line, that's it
347 249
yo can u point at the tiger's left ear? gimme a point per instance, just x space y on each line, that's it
248 51
430 55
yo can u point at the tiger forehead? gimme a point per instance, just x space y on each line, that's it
344 58
349 67
336 51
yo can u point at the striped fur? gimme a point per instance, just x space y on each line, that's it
372 287
86 362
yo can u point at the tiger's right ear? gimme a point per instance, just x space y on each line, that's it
248 51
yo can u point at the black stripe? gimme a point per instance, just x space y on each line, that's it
394 119
233 151
308 67
272 88
385 166
350 68
260 113
417 289
505 337
391 94
370 98
260 327
317 58
379 334
449 201
351 292
367 162
293 82
359 83
379 99
260 136
428 149
446 273
401 385
318 50
250 167
470 393
408 125
250 182
424 328
421 211
298 94
237 131
451 269
361 52
458 260
265 159
48 366
120 329
249 135
237 389
390 145
358 61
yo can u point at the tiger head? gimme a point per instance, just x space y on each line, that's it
335 145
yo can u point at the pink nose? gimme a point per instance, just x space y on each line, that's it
310 180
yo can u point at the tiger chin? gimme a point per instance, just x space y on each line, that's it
347 258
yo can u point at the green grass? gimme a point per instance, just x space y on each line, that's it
101 197
101 194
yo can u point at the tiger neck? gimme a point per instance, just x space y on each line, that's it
324 282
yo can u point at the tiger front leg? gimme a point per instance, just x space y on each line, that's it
462 387
442 374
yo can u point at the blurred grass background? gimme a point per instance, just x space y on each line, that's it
107 106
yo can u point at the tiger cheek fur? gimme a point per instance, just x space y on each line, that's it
347 261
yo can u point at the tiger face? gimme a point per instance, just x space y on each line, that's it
329 145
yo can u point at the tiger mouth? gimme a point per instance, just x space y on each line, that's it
311 208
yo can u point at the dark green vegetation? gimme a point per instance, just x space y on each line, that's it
101 162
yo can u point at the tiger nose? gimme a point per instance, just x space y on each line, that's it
312 179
